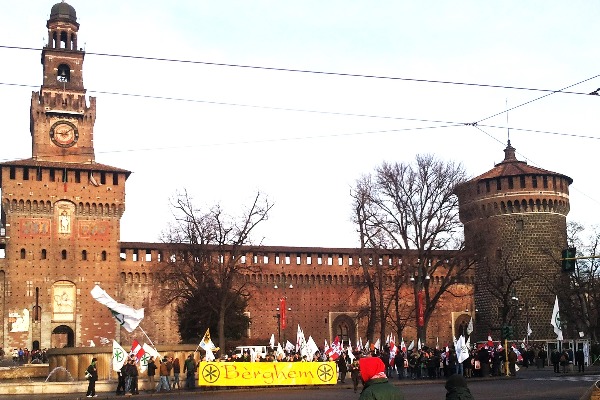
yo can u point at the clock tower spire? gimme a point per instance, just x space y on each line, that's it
62 122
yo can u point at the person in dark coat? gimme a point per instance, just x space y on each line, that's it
92 370
376 384
354 369
580 360
342 368
456 387
121 380
555 360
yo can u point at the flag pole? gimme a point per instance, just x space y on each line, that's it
147 337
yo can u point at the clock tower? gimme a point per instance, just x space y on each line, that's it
61 121
61 211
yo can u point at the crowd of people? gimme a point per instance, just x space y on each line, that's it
168 369
25 356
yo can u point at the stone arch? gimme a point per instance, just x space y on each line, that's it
344 327
63 336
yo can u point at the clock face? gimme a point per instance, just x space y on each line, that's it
64 134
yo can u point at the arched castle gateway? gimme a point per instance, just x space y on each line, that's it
60 224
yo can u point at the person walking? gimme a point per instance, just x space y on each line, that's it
164 376
376 384
456 387
92 377
176 372
354 369
189 368
151 371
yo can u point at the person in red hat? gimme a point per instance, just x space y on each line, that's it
376 384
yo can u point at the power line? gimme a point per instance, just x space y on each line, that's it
307 71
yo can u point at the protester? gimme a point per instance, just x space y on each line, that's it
176 372
92 377
456 387
121 380
189 368
376 384
354 369
151 371
512 362
164 376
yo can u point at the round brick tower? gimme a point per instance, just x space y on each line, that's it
514 220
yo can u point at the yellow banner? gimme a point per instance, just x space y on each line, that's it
266 373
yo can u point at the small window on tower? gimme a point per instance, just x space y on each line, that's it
520 225
77 176
63 73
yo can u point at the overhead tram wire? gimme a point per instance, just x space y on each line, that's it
536 99
306 71
448 123
273 140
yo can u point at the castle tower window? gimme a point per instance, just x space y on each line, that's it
63 254
77 176
522 181
38 174
84 255
534 181
511 184
12 173
554 182
65 175
498 184
51 174
25 174
287 259
103 178
22 254
545 181
44 254
103 255
520 225
487 186
115 179
63 73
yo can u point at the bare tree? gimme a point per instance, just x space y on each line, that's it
413 207
208 246
579 290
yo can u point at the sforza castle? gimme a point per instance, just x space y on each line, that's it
60 236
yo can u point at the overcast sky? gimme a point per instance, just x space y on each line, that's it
223 132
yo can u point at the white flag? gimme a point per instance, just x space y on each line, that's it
128 317
555 321
529 331
209 354
119 356
470 326
151 351
462 350
311 348
272 341
289 346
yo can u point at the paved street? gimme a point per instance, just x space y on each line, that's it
532 384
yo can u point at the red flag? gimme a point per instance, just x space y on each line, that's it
334 350
282 321
137 350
